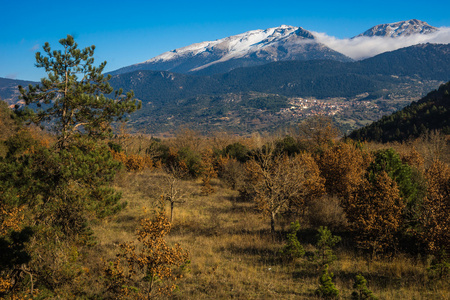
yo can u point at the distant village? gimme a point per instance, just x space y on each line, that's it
304 107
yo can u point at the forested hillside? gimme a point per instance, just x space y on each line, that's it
430 113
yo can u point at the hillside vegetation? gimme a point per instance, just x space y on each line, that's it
389 81
430 113
258 218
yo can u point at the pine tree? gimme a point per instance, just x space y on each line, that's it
327 289
325 242
362 291
293 249
72 97
64 187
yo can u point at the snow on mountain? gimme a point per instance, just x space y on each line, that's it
238 45
403 28
386 37
250 48
285 43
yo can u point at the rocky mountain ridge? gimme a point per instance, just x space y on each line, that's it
400 29
258 47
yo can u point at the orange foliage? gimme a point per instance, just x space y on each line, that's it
343 166
435 217
412 158
133 162
11 219
278 183
375 213
152 259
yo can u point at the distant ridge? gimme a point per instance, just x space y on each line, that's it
9 91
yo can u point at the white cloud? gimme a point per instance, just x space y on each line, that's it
364 47
12 75
34 48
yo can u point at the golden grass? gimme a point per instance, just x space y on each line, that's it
233 254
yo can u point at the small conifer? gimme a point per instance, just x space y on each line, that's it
362 291
327 289
293 249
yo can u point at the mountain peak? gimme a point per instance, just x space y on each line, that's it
250 48
397 29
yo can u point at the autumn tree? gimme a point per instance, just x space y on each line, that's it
148 265
317 132
389 161
277 182
343 166
231 171
409 181
208 172
74 98
375 213
435 210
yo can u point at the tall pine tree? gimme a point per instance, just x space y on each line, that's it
74 98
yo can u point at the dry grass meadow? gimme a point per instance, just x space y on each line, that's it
233 254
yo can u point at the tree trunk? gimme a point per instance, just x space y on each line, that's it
272 225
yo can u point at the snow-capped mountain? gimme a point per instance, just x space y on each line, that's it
285 43
251 48
403 28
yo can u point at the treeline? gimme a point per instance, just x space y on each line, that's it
430 113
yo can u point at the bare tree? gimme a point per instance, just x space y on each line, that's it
277 182
173 190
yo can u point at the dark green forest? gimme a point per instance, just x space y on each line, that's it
430 113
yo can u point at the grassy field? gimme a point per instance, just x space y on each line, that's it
233 254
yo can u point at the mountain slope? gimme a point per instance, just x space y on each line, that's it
430 113
426 61
9 91
399 29
284 43
317 78
247 49
243 95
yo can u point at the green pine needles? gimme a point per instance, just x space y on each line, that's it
74 96
362 291
293 249
325 243
327 289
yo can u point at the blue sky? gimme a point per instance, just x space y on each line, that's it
129 32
